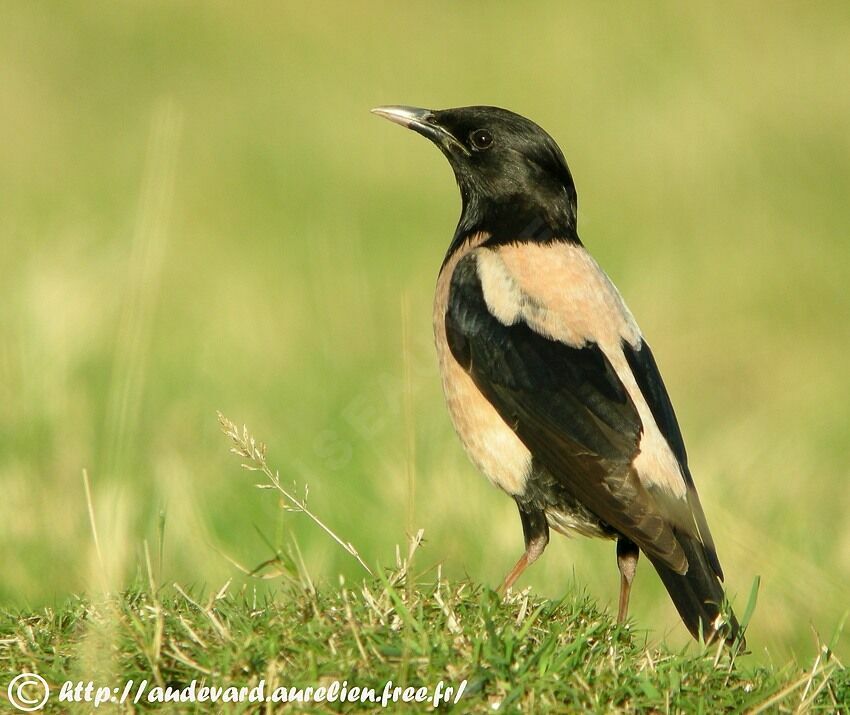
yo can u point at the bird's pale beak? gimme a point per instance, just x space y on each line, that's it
421 121
411 117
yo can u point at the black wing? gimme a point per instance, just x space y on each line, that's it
642 364
567 405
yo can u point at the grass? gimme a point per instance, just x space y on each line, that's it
392 630
523 653
198 212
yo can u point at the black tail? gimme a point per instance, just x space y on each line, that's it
698 595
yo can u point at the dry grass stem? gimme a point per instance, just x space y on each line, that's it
249 448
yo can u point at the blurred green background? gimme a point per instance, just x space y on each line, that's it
198 212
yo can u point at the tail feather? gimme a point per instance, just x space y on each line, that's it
698 594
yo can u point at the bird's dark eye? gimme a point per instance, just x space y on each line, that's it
481 139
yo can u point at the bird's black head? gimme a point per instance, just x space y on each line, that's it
513 179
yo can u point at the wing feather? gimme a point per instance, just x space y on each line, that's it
648 377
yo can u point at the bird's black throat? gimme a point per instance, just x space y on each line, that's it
517 218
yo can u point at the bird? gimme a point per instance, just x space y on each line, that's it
550 384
